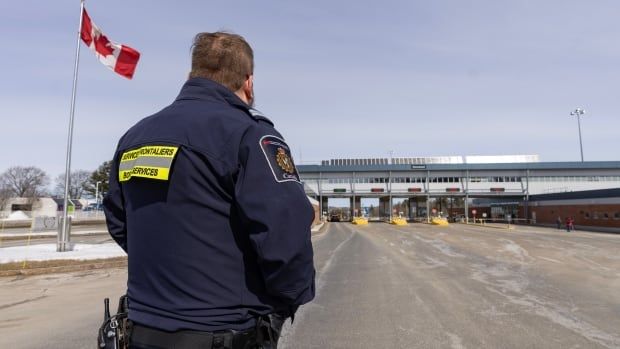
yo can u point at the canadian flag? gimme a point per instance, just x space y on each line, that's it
120 58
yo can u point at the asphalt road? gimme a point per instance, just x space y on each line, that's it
99 238
56 310
382 286
88 234
75 228
421 286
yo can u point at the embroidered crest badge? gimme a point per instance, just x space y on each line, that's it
284 161
278 156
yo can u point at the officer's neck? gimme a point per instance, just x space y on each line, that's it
243 95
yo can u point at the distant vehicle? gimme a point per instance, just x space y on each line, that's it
93 207
334 218
459 218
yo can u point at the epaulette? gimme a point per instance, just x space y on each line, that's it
259 116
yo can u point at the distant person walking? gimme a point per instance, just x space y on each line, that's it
559 222
569 224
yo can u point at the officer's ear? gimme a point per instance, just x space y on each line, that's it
248 89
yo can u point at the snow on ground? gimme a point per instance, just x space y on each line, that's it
46 252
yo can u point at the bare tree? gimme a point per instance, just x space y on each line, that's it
25 182
77 184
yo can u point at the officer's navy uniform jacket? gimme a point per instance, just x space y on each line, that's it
205 199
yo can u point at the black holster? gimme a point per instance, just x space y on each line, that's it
115 330
268 330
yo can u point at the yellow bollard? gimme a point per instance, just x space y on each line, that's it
439 221
360 221
398 221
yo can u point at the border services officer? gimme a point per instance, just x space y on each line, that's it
205 199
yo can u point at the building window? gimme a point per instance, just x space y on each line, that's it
605 215
587 215
617 215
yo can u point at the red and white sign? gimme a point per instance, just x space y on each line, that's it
120 58
434 210
473 211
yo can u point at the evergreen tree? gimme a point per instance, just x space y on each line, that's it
102 175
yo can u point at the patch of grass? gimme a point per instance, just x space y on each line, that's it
59 266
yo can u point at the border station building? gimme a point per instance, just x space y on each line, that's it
457 186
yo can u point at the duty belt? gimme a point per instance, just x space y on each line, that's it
144 337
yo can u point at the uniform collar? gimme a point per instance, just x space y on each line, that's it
201 88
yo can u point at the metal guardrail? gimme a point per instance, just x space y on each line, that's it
349 192
500 221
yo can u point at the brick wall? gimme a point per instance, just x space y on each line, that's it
588 215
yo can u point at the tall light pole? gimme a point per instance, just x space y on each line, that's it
578 112
97 195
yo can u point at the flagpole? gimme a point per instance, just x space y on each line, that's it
64 238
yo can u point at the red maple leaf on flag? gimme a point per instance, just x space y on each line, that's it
103 45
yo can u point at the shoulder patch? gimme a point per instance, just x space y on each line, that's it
152 161
278 156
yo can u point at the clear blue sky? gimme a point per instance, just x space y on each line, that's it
339 78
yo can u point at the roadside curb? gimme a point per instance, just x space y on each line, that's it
59 266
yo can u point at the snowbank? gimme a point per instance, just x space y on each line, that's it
46 252
17 216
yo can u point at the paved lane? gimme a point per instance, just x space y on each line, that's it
75 228
56 311
101 238
422 286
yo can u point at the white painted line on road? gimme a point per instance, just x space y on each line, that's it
287 330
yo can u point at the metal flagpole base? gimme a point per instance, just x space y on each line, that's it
64 236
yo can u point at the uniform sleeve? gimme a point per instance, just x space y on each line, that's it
114 208
277 214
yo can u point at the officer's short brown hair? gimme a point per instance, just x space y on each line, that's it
222 57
